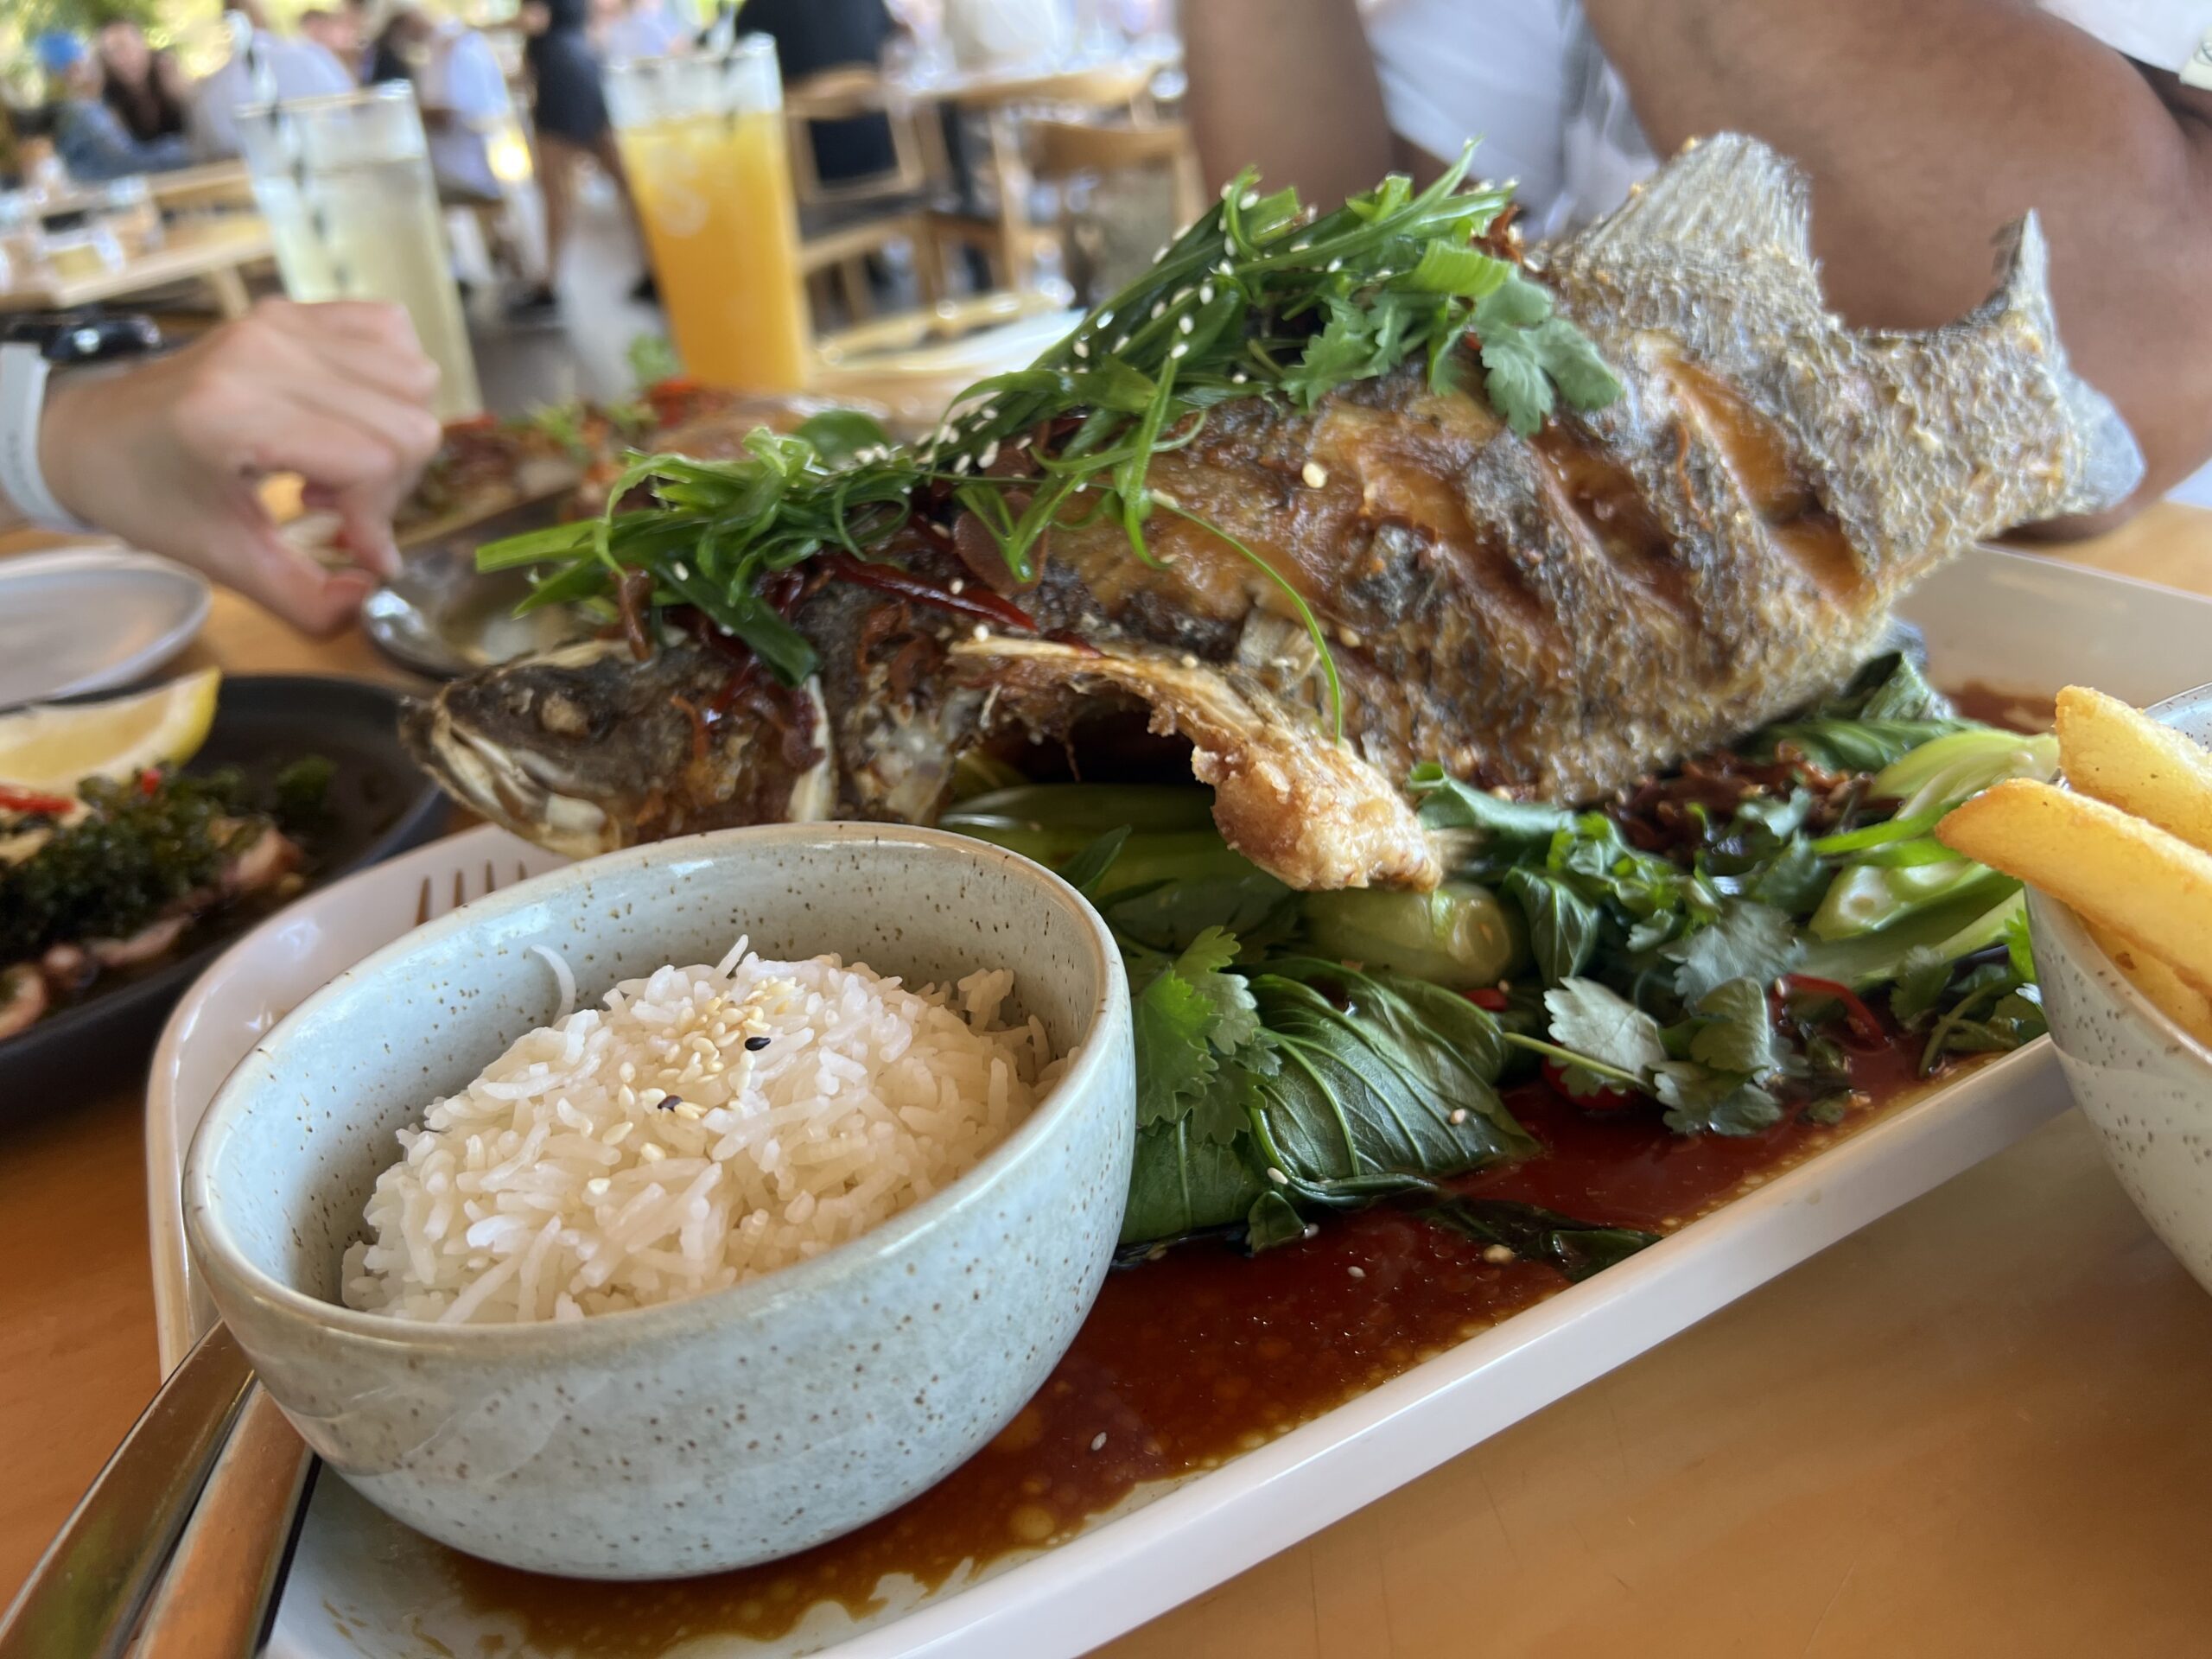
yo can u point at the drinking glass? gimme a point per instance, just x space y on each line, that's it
344 182
702 140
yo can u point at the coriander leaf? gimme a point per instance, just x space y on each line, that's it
1734 1033
1583 377
1588 1019
1515 382
1516 303
1562 924
1175 1061
1793 882
1702 1101
1227 997
1749 939
1922 980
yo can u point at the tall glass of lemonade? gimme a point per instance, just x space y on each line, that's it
344 183
702 139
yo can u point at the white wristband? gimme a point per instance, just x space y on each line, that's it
23 397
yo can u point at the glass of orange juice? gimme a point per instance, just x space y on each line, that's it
702 140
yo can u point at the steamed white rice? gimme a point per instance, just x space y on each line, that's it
656 1149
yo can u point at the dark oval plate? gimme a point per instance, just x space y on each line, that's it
380 803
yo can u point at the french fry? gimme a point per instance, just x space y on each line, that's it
2127 760
2187 1008
2152 889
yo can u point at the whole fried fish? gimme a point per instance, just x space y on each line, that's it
1556 615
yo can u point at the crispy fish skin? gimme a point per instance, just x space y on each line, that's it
1557 616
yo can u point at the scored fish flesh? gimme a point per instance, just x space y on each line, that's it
1556 615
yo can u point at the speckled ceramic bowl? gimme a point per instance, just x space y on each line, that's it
742 1425
2141 1080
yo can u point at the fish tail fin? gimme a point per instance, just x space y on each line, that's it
2108 464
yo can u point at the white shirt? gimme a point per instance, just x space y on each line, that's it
1532 84
298 68
463 74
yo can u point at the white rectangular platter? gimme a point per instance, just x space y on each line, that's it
362 1587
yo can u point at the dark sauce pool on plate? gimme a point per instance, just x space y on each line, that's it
1200 1354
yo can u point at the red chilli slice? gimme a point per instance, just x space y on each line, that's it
1860 1018
985 606
30 800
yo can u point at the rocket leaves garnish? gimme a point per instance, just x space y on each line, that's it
1258 297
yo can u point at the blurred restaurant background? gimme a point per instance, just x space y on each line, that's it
575 197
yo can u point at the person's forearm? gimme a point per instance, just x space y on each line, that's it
1288 86
1926 125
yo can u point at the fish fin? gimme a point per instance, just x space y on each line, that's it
2110 465
1726 200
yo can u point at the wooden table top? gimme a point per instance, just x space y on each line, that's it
193 248
1981 1426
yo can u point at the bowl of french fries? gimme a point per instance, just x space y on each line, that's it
2117 862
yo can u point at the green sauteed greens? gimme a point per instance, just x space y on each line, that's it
1258 297
1712 950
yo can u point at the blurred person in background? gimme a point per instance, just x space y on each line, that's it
1925 126
90 138
169 455
333 31
569 110
461 93
293 67
147 91
642 29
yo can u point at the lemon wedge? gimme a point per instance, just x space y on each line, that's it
53 749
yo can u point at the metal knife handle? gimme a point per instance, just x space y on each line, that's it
215 1600
82 1600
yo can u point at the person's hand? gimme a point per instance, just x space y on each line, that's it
169 457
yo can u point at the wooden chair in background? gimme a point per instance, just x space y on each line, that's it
996 223
844 222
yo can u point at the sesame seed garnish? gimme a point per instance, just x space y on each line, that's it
756 1043
1205 293
1081 348
1459 1114
1098 1441
1159 309
1335 264
1183 323
982 632
1104 317
1181 348
1356 1272
1187 660
956 586
991 449
682 570
1314 474
1498 1255
1277 1176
